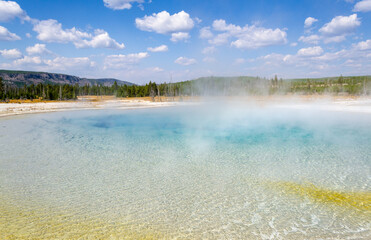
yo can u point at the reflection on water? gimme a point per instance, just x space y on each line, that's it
187 172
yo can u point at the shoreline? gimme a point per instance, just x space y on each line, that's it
326 103
28 107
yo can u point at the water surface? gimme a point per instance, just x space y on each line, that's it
211 171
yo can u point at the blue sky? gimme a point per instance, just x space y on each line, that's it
144 40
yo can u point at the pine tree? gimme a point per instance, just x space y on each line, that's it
2 91
60 92
275 81
44 96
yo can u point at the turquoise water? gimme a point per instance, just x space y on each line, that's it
208 171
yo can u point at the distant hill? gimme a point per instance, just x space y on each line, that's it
20 78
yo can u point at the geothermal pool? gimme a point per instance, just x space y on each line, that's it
191 172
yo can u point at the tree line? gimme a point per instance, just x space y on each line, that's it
209 86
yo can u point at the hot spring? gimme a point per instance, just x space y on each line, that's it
209 171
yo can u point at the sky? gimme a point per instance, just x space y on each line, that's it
176 40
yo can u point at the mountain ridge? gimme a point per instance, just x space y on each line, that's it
20 78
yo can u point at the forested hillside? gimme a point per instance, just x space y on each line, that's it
209 86
20 78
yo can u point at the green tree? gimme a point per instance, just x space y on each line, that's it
1 86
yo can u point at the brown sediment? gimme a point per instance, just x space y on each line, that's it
360 201
20 223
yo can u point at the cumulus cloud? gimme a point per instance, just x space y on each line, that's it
365 45
312 39
180 36
121 4
52 31
255 37
334 31
335 39
205 33
315 59
363 6
178 24
209 50
162 48
221 26
38 49
5 35
185 61
27 60
100 40
63 63
341 25
246 37
309 22
10 10
220 39
310 52
11 53
57 64
124 61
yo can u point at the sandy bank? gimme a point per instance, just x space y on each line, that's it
16 108
325 103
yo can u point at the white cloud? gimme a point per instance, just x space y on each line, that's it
248 36
66 64
124 61
255 37
339 28
11 53
341 25
38 49
28 35
312 39
334 31
27 60
221 26
310 52
100 40
363 6
365 45
164 23
311 60
121 4
5 35
205 33
309 22
332 56
180 36
334 39
162 48
209 50
294 44
220 39
10 10
52 31
60 64
185 61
